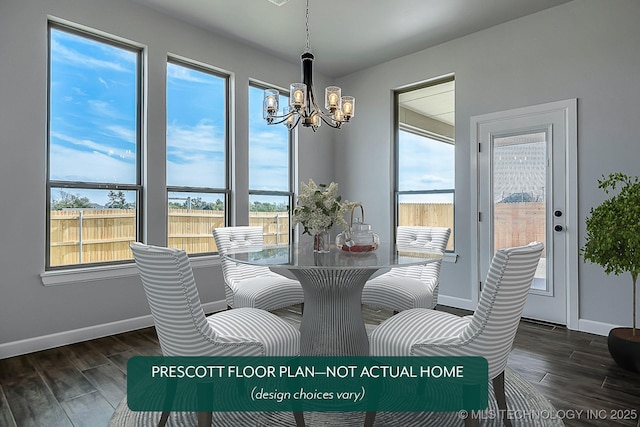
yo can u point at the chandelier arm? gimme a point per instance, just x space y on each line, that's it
332 123
296 123
280 119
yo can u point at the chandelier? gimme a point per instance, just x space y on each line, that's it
303 108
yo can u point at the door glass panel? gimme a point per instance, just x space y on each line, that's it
519 195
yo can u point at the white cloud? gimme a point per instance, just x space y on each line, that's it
187 141
126 134
103 149
104 109
75 165
195 156
186 74
269 161
64 54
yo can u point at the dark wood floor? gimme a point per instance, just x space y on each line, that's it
81 384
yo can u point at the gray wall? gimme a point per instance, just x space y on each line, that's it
27 308
586 49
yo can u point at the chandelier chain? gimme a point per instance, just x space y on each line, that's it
307 27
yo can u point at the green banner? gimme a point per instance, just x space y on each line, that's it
395 384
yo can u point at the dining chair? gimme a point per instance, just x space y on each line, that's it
417 286
488 333
251 285
184 330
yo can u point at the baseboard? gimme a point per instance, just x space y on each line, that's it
45 342
456 302
584 325
593 327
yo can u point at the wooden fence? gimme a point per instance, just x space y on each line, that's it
101 235
433 214
517 224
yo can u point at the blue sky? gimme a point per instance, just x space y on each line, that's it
93 126
195 128
425 164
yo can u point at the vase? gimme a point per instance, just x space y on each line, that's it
321 242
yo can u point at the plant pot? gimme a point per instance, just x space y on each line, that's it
624 348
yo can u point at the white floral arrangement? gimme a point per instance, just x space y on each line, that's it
320 207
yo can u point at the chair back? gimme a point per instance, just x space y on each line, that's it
174 301
495 321
435 238
237 239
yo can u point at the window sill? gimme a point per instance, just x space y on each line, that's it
450 257
89 274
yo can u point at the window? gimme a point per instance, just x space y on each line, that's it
425 156
197 184
93 149
270 195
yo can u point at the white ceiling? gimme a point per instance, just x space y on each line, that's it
347 35
436 102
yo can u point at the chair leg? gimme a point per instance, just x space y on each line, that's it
299 416
501 399
471 421
205 419
170 394
163 419
369 418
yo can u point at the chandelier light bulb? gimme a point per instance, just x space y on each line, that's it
332 98
270 103
298 95
348 106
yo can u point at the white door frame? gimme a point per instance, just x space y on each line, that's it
569 109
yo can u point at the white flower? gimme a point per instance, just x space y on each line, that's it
320 207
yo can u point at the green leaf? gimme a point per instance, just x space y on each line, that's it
613 228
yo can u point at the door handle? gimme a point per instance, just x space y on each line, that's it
558 227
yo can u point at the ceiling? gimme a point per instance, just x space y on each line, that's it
436 102
347 35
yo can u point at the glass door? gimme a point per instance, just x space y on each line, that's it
522 198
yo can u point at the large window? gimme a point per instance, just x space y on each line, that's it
270 194
425 156
197 184
93 152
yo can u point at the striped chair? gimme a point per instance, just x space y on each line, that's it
489 332
250 285
417 286
183 329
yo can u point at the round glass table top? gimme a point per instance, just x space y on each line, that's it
298 256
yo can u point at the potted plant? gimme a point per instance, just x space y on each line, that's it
613 241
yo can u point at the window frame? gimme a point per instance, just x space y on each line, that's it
423 133
195 66
51 185
291 162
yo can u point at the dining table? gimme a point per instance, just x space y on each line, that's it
332 322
